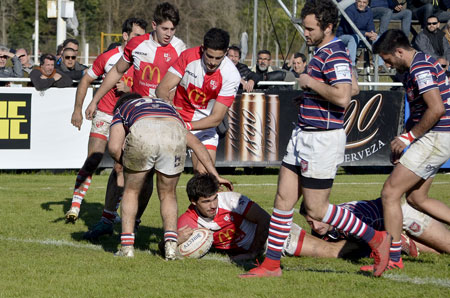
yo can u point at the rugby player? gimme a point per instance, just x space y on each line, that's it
207 82
427 133
148 133
100 123
317 145
429 234
151 55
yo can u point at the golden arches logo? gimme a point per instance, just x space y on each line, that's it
228 235
128 81
152 70
197 96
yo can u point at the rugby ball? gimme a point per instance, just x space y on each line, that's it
197 245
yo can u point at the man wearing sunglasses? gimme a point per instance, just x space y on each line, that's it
9 72
22 54
431 40
70 65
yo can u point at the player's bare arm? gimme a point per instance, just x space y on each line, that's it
435 110
203 156
355 87
261 218
77 115
213 120
167 84
338 94
111 79
115 143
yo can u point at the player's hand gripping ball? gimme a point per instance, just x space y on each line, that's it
197 245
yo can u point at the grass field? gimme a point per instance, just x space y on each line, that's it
41 256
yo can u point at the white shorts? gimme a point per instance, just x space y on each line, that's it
208 137
155 143
318 153
414 221
100 125
427 154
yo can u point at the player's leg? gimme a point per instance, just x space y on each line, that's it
418 198
133 185
166 186
144 197
400 180
288 192
198 166
96 149
432 234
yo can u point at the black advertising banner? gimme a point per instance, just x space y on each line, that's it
15 121
261 126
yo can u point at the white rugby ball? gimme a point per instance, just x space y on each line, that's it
197 245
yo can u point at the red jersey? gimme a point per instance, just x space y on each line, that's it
101 66
150 61
231 229
198 90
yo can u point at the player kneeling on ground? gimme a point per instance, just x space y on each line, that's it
145 134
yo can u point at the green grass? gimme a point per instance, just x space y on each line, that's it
41 256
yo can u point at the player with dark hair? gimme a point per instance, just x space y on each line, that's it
150 54
207 82
98 136
165 152
426 133
317 145
239 225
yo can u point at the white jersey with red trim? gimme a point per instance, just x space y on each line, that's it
102 65
231 229
151 61
198 90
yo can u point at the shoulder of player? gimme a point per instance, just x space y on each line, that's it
192 53
137 40
228 69
177 43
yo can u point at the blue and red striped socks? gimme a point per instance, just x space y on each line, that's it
127 239
345 221
395 251
279 228
170 236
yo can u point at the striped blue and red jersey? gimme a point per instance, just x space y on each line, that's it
134 110
330 65
424 74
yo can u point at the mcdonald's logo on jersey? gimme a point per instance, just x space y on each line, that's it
128 81
149 72
227 235
197 96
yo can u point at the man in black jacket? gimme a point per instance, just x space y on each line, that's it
248 77
46 76
70 65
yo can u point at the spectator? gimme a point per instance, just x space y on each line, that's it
248 77
59 52
446 29
387 10
362 17
432 41
9 72
69 43
299 64
70 66
27 67
46 76
263 63
423 9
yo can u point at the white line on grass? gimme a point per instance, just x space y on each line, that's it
419 280
53 242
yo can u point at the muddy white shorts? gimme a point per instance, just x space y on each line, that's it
157 143
427 154
414 221
318 153
100 125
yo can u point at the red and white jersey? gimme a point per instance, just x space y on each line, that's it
198 90
103 65
231 229
150 61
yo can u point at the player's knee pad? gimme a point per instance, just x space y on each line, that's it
414 221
